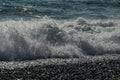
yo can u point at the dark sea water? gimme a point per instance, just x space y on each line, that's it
62 9
32 29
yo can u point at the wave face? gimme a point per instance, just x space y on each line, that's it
49 38
61 9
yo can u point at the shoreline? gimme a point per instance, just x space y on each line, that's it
99 68
56 61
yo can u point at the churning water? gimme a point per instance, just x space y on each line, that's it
31 29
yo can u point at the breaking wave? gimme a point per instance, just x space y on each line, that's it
49 38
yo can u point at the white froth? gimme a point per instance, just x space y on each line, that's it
48 38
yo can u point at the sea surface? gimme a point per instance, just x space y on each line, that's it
61 9
37 29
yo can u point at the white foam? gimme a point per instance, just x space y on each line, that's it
47 38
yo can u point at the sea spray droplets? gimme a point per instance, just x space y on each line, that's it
48 38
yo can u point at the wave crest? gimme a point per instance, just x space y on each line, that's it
48 38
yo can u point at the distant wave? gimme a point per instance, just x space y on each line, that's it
49 38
